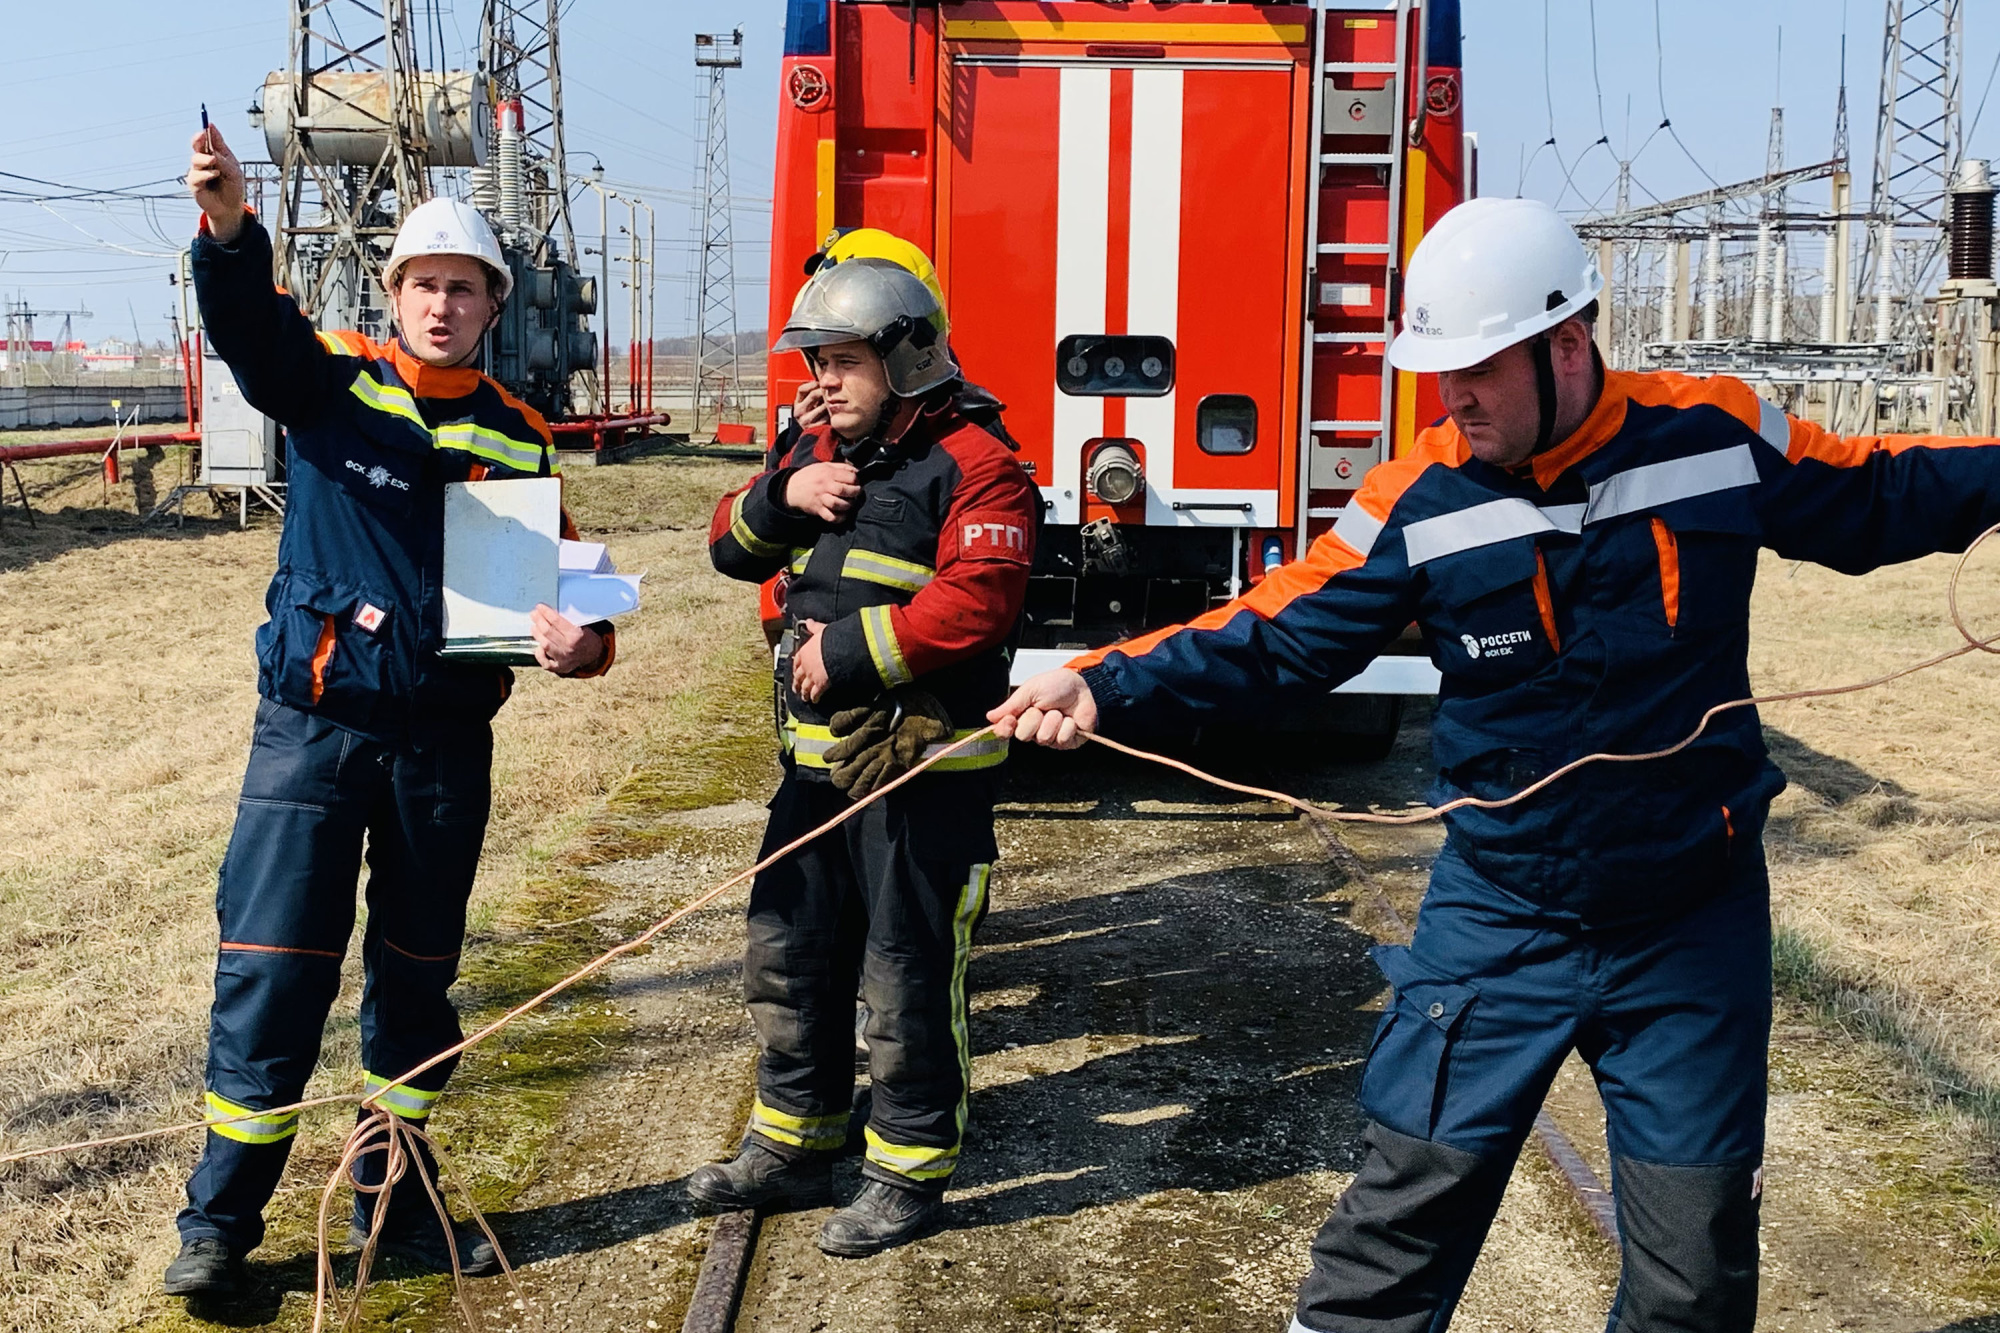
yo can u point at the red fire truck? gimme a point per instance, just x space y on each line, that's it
1171 238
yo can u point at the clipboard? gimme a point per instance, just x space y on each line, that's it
500 561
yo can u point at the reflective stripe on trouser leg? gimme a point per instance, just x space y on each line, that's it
245 1125
400 1098
804 932
284 909
813 1133
932 1163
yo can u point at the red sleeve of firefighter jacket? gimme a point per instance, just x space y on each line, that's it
986 544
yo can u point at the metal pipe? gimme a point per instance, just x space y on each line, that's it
603 287
651 293
1829 291
95 448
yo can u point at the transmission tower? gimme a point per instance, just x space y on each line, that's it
1918 144
716 380
353 123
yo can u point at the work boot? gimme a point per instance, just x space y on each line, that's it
881 1217
760 1178
206 1266
420 1244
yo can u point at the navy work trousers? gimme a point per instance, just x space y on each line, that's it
894 895
313 796
1673 1018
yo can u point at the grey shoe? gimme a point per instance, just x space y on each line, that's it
422 1246
881 1217
760 1178
206 1266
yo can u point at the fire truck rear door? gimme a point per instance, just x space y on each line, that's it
1142 197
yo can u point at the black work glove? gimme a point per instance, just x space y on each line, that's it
882 741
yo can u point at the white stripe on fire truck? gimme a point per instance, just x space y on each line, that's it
1083 242
1153 304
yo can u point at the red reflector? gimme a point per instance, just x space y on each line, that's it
1122 51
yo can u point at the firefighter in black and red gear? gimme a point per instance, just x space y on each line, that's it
906 532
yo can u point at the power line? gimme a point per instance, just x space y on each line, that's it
1660 84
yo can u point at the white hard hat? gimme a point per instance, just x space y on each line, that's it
1491 273
447 227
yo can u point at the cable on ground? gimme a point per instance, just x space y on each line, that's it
383 1130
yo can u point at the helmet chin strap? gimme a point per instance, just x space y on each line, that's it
1545 390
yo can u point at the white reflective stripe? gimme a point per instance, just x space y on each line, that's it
1774 426
1468 529
1676 479
1358 528
1153 266
1567 518
1083 231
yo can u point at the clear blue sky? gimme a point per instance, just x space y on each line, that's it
106 94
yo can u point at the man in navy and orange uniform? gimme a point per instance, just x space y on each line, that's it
906 532
1578 547
364 735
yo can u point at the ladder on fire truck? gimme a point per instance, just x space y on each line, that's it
1373 150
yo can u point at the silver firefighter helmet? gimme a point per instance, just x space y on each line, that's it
881 304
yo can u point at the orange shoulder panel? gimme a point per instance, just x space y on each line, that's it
346 342
536 422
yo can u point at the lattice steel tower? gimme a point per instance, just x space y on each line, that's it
716 381
1918 144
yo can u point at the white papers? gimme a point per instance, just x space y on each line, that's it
584 558
500 545
584 599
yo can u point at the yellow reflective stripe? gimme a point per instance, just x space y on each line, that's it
880 632
801 556
808 744
932 1163
257 1128
479 440
800 1131
388 398
747 539
407 1102
913 1163
988 753
971 902
886 570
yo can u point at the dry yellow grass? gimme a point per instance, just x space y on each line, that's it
126 691
1883 850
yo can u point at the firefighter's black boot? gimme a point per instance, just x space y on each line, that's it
881 1217
206 1266
760 1178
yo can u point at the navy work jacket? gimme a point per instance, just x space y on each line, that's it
373 437
1596 600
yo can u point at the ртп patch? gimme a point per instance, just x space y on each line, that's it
993 537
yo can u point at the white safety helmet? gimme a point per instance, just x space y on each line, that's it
447 227
1491 273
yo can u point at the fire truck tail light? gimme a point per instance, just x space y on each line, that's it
1226 423
1096 365
1116 475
